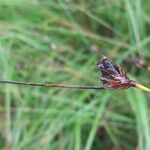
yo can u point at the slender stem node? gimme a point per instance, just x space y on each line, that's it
141 87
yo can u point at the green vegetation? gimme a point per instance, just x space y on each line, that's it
59 41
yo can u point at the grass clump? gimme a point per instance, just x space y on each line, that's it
60 41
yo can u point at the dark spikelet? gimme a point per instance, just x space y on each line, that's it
113 76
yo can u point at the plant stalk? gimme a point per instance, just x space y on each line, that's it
141 87
51 85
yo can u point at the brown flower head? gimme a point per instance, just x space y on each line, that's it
113 76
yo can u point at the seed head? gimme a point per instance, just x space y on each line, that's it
113 76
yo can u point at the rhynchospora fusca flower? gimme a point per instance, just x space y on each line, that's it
114 77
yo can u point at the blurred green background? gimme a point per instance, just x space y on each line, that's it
60 41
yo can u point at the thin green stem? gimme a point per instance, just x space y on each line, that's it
52 85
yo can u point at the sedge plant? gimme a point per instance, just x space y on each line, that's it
113 77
